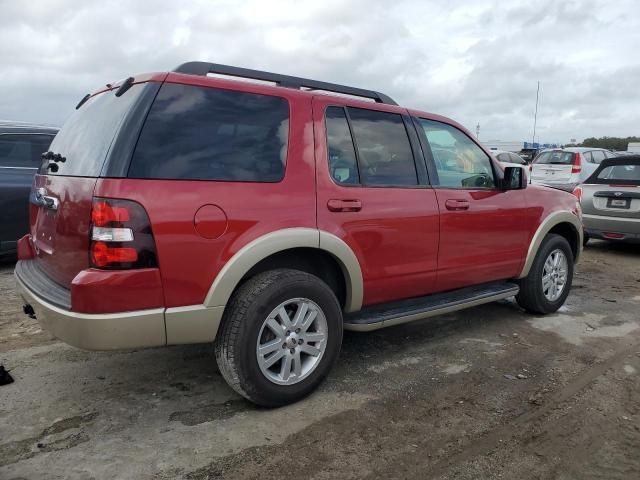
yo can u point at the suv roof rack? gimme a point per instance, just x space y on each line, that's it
203 68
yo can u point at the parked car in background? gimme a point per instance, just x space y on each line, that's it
508 158
266 219
565 168
610 200
21 147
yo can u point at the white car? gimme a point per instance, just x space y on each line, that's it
566 168
508 158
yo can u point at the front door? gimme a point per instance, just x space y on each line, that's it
374 195
483 233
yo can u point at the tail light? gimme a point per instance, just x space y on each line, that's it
577 163
578 193
121 236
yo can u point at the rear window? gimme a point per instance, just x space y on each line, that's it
620 173
200 133
555 158
85 138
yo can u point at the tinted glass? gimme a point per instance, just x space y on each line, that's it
625 173
459 161
598 156
86 136
23 150
200 133
342 154
384 151
504 157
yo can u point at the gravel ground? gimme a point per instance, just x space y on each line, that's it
490 392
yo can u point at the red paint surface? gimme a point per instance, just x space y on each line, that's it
210 222
111 291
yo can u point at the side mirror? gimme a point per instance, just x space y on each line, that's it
515 178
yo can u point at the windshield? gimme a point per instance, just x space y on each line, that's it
555 158
86 136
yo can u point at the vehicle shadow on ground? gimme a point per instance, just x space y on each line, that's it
186 378
615 248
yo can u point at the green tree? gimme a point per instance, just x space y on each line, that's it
610 143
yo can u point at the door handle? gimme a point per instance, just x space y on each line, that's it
338 205
453 204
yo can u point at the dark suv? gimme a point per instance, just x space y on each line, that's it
266 218
21 146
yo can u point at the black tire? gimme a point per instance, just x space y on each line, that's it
249 306
531 296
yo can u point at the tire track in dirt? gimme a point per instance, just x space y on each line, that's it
494 438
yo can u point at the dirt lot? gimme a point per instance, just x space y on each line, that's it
487 393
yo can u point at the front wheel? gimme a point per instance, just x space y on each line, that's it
280 336
547 286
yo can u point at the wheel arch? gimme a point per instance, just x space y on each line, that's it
563 223
307 249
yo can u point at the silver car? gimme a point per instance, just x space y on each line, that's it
610 200
565 168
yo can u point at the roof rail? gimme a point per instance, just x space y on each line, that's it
203 68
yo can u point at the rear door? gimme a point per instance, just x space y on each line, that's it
62 190
19 161
483 233
373 194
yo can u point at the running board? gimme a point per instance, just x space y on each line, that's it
403 311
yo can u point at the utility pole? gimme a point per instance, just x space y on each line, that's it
535 115
478 131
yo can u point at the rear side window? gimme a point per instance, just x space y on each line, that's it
597 156
23 150
86 137
200 133
555 158
342 155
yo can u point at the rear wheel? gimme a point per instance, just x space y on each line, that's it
547 286
280 336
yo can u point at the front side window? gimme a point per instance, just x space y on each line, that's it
460 163
200 133
23 150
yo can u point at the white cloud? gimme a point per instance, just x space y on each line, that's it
473 61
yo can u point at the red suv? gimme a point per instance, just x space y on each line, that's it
266 217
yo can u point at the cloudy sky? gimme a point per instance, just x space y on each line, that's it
474 61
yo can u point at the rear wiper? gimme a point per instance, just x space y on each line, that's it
56 157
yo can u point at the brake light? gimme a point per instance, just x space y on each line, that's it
578 193
577 163
103 213
121 236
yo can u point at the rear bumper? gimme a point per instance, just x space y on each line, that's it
109 331
150 327
600 226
